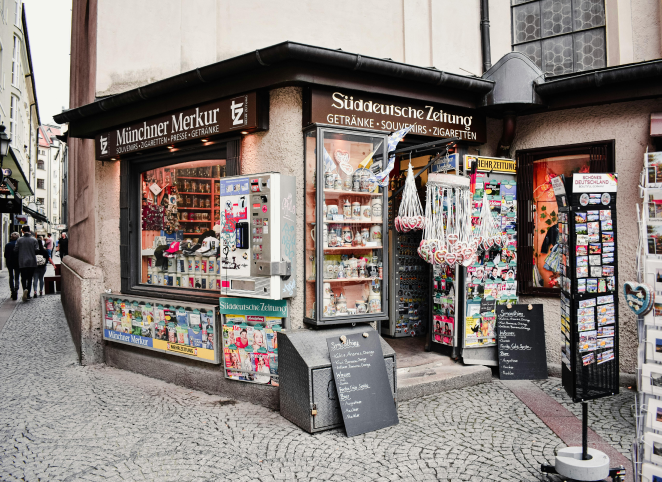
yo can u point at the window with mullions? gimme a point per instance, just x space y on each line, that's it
560 36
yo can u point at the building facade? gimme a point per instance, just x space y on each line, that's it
575 82
19 111
49 173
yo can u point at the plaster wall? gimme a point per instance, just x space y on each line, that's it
627 123
647 28
143 42
280 149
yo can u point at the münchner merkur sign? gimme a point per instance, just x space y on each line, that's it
356 109
218 117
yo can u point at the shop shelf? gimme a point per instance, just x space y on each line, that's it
184 208
193 234
352 193
351 248
199 178
193 221
198 193
351 221
342 280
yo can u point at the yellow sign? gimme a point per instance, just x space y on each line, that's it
491 164
203 353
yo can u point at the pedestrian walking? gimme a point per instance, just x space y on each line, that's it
48 244
63 246
26 248
43 257
11 261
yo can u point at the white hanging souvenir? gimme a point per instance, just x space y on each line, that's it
410 215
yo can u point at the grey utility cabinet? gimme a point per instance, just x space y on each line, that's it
306 377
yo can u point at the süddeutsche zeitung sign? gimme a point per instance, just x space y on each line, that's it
356 109
218 117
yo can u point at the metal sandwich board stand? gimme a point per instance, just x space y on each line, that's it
589 307
308 395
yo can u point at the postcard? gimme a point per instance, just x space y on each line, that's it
593 228
587 303
582 250
588 359
607 342
607 237
606 225
582 240
596 271
580 217
595 248
605 356
594 260
582 272
581 229
582 261
587 341
593 216
602 300
605 215
586 325
581 285
608 258
605 331
591 285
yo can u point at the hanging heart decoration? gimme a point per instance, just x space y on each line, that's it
342 158
639 297
410 214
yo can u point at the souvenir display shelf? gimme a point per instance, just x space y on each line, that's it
410 287
345 231
185 205
492 279
589 296
647 445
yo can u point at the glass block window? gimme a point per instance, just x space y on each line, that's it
560 36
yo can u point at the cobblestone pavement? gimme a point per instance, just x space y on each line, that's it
63 422
612 418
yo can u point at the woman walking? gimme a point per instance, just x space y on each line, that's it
40 270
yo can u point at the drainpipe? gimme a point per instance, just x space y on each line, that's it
485 34
509 127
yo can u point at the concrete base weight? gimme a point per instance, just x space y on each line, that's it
569 464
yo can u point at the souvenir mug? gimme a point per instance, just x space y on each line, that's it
356 211
376 208
366 212
361 307
376 234
331 211
347 235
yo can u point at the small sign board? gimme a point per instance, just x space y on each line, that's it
364 392
594 182
521 342
491 164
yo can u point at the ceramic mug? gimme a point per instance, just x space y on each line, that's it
356 211
376 233
376 204
366 212
361 307
331 211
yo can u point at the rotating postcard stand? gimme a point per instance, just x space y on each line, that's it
589 309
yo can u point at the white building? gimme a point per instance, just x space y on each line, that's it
19 111
48 185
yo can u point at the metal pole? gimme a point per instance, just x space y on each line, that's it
585 431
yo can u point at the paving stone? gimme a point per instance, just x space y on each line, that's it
103 424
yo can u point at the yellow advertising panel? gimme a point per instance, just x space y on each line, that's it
491 164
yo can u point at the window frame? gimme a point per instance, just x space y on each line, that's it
570 34
602 158
40 200
13 107
40 162
41 183
131 169
16 55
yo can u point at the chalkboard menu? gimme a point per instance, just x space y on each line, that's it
521 341
364 392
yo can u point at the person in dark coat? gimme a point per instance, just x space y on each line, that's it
63 246
26 248
11 261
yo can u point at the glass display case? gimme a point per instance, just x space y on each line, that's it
346 227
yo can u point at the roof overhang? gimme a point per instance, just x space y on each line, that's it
287 63
11 161
35 214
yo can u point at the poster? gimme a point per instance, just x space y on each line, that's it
250 338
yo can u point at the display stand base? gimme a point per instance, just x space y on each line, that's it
569 463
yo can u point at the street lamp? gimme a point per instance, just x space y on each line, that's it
4 142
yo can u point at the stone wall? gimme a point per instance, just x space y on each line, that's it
628 123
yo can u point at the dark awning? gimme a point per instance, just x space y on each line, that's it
35 214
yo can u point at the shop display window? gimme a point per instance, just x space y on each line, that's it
545 240
346 266
180 219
